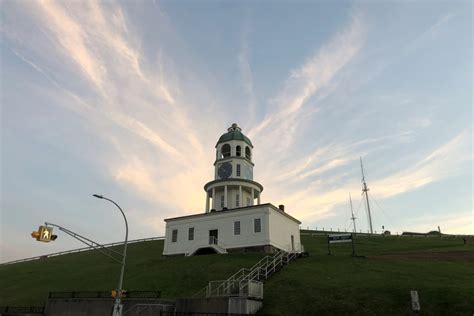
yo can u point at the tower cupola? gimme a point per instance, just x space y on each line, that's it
233 184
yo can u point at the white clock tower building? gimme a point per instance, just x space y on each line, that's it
233 185
234 219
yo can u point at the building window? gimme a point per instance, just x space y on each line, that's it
238 151
236 228
248 154
191 233
174 235
225 151
238 170
248 201
222 201
237 200
257 225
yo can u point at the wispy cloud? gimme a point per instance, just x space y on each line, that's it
441 163
247 76
304 82
462 222
317 201
96 38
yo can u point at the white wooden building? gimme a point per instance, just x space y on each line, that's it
234 219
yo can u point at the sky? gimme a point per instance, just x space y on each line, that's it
128 99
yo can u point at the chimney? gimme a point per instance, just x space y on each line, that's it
281 207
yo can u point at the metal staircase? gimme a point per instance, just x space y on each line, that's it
248 282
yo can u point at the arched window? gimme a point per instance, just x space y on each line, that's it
248 154
238 151
225 151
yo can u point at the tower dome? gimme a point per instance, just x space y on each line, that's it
234 133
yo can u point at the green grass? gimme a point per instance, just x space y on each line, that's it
320 284
343 285
28 283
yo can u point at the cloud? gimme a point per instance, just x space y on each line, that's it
247 78
304 82
71 38
441 163
462 222
318 199
131 107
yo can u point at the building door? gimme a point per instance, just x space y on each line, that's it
213 235
292 243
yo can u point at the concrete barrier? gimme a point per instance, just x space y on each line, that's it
103 306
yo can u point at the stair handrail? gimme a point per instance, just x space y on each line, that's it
244 275
226 284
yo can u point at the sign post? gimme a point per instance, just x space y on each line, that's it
338 238
415 301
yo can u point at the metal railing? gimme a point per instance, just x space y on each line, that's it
80 250
22 310
238 284
103 294
149 309
173 313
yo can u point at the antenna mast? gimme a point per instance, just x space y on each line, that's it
352 212
365 190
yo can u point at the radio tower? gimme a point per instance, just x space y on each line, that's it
365 190
352 212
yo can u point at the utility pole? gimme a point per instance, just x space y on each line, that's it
365 190
352 212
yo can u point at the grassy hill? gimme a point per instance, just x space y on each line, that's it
441 269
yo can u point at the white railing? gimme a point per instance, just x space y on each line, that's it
80 250
240 283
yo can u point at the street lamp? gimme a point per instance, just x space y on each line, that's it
117 305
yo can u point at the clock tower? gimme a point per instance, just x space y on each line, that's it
233 185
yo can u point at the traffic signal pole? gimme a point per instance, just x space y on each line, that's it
94 245
45 234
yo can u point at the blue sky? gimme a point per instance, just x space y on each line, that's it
128 99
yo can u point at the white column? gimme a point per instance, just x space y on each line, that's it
225 196
241 199
207 202
258 198
253 196
214 198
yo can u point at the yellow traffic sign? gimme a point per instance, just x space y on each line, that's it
35 235
45 233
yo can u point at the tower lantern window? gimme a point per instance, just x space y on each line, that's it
248 153
225 151
238 151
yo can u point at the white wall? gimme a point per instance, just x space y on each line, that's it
281 228
276 230
224 222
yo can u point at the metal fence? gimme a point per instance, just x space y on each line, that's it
81 250
103 294
323 231
169 313
22 309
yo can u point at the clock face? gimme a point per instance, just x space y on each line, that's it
225 170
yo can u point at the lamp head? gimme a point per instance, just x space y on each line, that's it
98 196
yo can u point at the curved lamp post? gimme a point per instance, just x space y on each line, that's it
117 307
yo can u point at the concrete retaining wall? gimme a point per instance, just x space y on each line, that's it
103 307
230 305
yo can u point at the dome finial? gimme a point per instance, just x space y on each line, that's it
234 127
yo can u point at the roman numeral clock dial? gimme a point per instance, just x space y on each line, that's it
225 170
